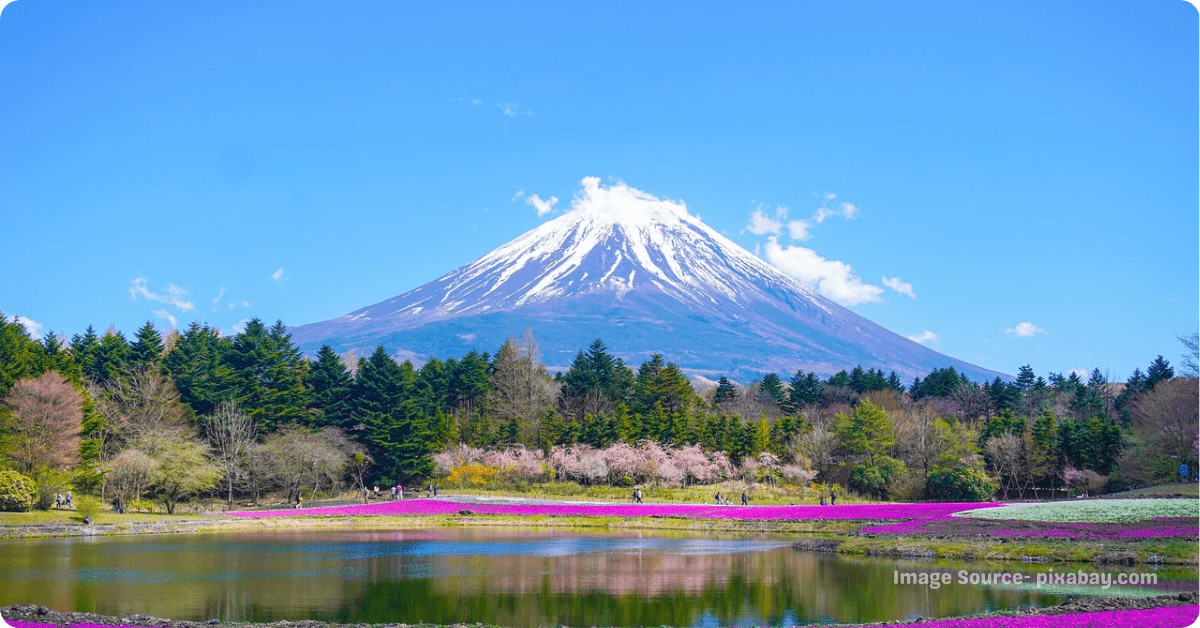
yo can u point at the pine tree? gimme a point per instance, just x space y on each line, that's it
329 391
199 369
112 357
147 349
1159 370
772 389
1025 379
725 391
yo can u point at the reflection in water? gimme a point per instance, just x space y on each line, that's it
485 575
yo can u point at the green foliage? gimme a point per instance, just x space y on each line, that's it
329 391
874 478
961 484
147 349
866 431
17 492
87 508
725 391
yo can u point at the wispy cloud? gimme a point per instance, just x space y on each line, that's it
239 326
833 279
518 194
924 337
542 207
899 285
278 275
175 296
167 316
32 327
217 299
512 110
1024 329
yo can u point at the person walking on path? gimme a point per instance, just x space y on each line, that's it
400 492
745 498
832 498
637 495
435 488
70 502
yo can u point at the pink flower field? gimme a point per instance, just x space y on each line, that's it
810 512
1163 617
945 524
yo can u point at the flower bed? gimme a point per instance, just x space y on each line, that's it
954 525
1092 511
810 512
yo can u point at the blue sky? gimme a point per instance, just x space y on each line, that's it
1013 183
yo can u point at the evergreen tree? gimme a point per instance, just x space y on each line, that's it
595 383
725 391
1025 379
772 389
198 366
147 349
111 357
1159 370
805 391
841 379
389 410
84 348
329 391
268 375
661 384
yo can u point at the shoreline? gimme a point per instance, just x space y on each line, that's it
1082 609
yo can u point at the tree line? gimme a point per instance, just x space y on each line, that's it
197 412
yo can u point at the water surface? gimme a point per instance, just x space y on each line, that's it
494 576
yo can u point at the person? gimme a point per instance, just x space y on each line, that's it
299 502
832 498
745 498
822 500
718 498
429 490
393 489
637 495
70 502
376 491
400 492
435 487
58 500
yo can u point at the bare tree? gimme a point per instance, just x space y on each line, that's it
1165 419
230 432
1188 364
140 404
128 474
818 445
522 387
300 458
46 416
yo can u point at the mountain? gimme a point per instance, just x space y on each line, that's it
645 276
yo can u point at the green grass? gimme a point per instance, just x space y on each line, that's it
1189 489
1091 511
70 517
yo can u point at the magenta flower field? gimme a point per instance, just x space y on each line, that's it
947 524
1164 617
810 512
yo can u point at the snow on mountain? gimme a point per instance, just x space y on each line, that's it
647 277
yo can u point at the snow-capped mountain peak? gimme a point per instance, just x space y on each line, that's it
636 270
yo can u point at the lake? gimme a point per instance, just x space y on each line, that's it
501 576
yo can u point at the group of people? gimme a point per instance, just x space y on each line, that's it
832 499
64 502
398 492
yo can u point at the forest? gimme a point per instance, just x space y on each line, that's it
195 414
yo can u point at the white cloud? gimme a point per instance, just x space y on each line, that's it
924 337
1024 329
512 110
899 285
798 229
32 327
762 224
476 102
518 194
167 316
829 196
278 275
849 211
175 296
833 279
217 299
543 207
239 326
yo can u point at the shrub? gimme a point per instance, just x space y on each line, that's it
88 508
960 485
17 492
